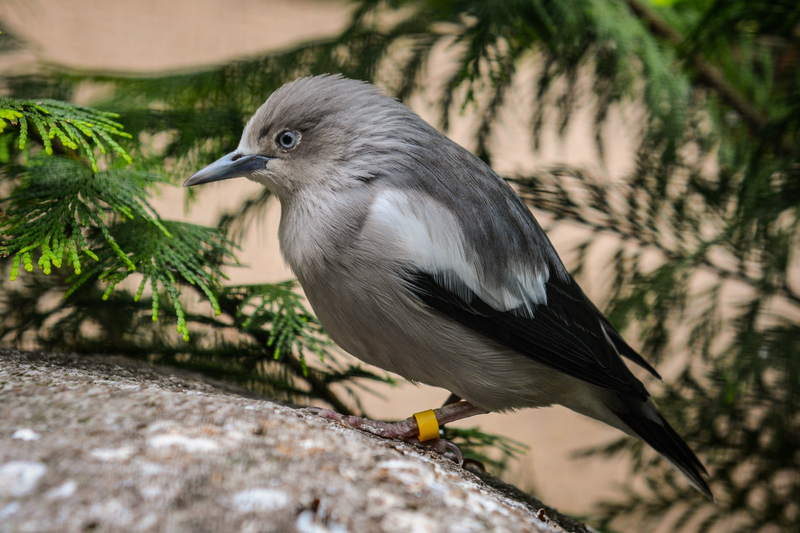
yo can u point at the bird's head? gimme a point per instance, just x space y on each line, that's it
321 132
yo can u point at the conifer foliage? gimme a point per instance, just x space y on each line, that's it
65 210
75 126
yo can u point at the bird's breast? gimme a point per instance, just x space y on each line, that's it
375 319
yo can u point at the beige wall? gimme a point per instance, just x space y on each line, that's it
158 35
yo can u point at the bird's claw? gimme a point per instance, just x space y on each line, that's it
445 448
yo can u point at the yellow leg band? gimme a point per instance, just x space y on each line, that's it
428 425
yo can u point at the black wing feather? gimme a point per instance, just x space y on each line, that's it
564 334
660 435
589 313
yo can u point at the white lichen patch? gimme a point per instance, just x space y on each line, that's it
161 425
312 444
235 435
25 434
151 492
19 478
114 454
147 468
259 499
128 385
65 490
8 510
190 444
466 525
483 504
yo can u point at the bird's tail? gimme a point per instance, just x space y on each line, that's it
647 423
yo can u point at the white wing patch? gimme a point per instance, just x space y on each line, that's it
428 235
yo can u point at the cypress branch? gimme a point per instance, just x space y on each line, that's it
73 125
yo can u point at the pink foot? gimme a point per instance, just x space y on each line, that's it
407 430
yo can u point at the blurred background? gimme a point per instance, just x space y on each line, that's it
656 142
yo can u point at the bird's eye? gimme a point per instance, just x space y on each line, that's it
287 140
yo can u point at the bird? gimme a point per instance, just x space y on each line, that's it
416 257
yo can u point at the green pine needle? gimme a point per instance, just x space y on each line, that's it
73 125
100 223
292 329
165 253
57 200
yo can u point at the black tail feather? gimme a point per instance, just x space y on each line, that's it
651 427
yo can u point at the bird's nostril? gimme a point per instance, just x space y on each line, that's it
236 157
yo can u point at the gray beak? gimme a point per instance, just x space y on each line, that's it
233 165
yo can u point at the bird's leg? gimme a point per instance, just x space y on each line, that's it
451 399
408 430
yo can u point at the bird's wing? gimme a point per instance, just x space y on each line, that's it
534 310
562 333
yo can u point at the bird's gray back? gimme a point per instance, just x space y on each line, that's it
491 216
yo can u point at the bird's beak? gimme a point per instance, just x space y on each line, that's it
233 165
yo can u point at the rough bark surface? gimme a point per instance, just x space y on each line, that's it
103 444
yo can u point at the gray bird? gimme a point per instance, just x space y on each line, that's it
417 258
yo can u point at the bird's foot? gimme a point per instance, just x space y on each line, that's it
405 430
408 430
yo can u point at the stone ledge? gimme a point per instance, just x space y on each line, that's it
108 444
